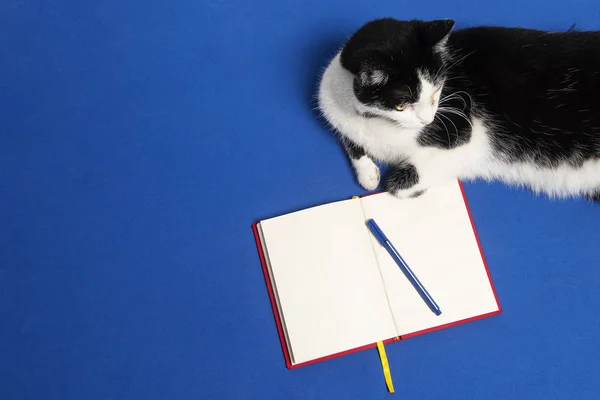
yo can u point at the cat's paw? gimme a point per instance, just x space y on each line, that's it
408 193
367 173
402 182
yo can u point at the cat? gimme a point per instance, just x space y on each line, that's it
436 103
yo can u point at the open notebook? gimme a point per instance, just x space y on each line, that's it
335 289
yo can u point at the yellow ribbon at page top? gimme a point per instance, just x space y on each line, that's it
386 367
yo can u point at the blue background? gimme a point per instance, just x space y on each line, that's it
139 141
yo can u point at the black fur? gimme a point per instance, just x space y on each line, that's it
595 196
402 176
352 149
418 193
538 91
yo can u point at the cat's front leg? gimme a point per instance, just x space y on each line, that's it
403 181
367 172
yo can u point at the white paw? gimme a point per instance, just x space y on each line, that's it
367 173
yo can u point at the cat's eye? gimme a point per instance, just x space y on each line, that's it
400 107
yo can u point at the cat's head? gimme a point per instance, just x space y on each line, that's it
398 68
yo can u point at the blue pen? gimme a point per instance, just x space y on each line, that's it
403 266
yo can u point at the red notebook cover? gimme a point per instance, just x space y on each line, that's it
279 325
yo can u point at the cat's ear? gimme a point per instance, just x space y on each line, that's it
436 33
371 70
368 76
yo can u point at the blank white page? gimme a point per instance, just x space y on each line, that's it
328 283
433 233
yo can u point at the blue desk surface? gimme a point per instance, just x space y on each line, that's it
138 142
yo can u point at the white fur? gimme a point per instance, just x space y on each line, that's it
367 172
389 143
425 110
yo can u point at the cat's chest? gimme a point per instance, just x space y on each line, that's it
385 141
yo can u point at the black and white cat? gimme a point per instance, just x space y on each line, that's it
518 105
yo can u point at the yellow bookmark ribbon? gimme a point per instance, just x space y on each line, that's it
384 361
385 366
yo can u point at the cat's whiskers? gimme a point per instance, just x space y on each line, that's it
452 97
468 95
455 111
455 77
457 95
446 128
452 122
